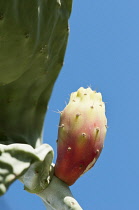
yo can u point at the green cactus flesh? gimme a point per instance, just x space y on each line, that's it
15 159
81 135
33 39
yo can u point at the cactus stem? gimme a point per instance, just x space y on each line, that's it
58 196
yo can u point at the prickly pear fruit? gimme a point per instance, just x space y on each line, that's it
81 134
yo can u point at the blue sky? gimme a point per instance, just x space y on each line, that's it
102 52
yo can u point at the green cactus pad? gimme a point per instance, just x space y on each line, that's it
33 39
15 159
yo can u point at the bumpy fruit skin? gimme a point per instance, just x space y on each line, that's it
81 134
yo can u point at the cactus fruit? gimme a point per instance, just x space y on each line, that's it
81 134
